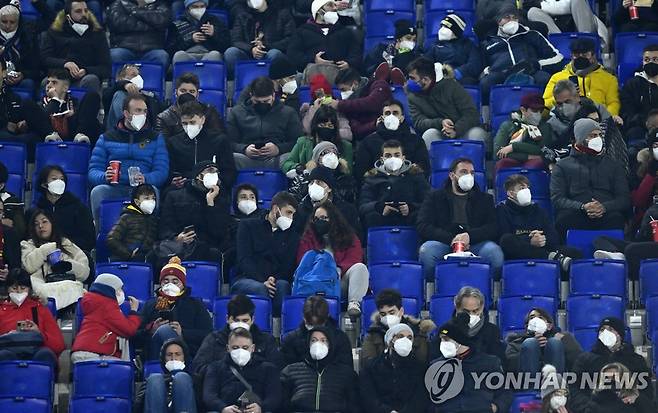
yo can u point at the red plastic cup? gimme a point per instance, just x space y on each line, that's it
633 13
116 170
458 246
654 229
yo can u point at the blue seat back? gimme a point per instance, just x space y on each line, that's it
203 280
246 71
476 95
24 94
14 157
52 306
392 244
652 315
433 20
292 312
609 279
530 277
152 367
562 42
441 309
212 75
76 183
152 73
262 314
438 179
100 405
106 378
583 239
382 22
400 5
449 5
540 182
216 98
398 94
442 153
27 379
268 182
370 42
109 213
406 277
22 405
512 311
453 274
588 311
137 277
648 279
368 307
507 100
628 50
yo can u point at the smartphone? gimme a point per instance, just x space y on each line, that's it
166 315
259 145
189 228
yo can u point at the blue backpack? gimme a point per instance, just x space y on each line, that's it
317 274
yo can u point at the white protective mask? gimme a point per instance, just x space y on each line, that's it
407 44
149 1
537 325
289 87
316 192
239 324
247 206
8 35
174 365
331 17
466 182
346 94
121 297
240 356
403 346
283 223
393 163
147 206
558 401
17 298
446 34
170 289
330 160
510 28
79 28
198 13
524 197
655 153
448 349
192 131
391 122
473 320
210 180
138 121
138 81
595 144
255 4
57 187
319 350
391 320
533 118
608 338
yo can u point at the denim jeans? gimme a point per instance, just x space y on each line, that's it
182 394
162 334
249 286
116 110
233 54
120 55
532 357
431 252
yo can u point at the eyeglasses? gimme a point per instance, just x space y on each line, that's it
650 59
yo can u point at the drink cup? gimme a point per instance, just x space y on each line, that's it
654 230
633 12
116 169
133 173
55 257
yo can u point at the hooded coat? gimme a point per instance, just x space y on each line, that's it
134 229
365 105
461 53
487 340
526 146
294 345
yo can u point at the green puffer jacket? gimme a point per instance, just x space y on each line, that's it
527 146
302 152
133 230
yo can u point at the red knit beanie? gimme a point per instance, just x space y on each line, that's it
320 82
174 268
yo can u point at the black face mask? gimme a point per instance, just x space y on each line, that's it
581 63
326 134
651 69
321 227
262 108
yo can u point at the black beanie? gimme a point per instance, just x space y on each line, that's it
324 174
280 68
403 28
455 23
505 10
200 167
4 173
457 329
616 324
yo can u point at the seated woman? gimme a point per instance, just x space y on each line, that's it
173 313
322 94
23 314
57 266
328 230
105 331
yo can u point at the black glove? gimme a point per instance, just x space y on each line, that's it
61 267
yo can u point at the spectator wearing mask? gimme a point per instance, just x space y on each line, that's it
263 131
77 43
138 29
103 319
284 75
644 178
56 265
133 237
469 220
647 20
13 216
20 48
554 392
391 125
128 81
198 35
10 252
241 380
362 101
639 96
587 190
266 252
591 78
388 60
23 314
323 156
173 313
246 203
390 313
454 49
440 107
322 94
320 382
617 391
393 190
519 140
134 143
611 347
394 380
240 314
262 31
541 344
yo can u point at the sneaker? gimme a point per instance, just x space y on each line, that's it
354 310
383 72
563 260
397 77
607 255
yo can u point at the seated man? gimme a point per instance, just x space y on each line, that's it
362 101
284 75
467 224
138 30
389 60
133 143
128 81
266 251
591 78
262 130
198 35
639 96
440 107
20 49
643 178
393 190
588 191
11 252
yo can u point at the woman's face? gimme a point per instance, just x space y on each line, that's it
18 289
321 214
53 176
43 227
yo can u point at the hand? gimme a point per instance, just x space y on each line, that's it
231 409
178 181
541 340
253 408
404 209
211 195
558 336
175 325
73 69
630 399
258 52
342 64
157 323
319 59
12 127
504 151
82 72
208 29
198 37
626 3
270 284
139 178
494 408
447 124
618 120
594 209
463 237
270 150
342 5
562 409
251 152
131 88
8 222
30 326
4 272
109 174
51 93
14 80
134 303
186 237
388 210
537 239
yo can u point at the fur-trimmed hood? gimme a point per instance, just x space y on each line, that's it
407 168
61 21
424 327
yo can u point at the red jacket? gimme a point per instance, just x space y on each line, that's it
10 314
642 197
362 112
103 323
344 258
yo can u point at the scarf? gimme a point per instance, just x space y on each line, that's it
60 123
11 52
165 302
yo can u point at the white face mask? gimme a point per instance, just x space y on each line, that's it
79 28
170 289
608 338
391 122
524 197
319 350
8 35
316 192
289 87
473 320
174 365
255 4
239 324
403 346
393 163
391 320
17 298
595 144
149 1
247 206
283 223
655 153
210 179
407 44
138 121
330 160
121 297
346 94
147 206
510 28
448 349
466 182
537 325
198 13
240 356
558 401
57 187
331 17
138 81
446 34
532 118
192 131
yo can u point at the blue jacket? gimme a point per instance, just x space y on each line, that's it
145 149
501 53
462 54
517 220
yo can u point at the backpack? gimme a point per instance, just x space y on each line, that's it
317 274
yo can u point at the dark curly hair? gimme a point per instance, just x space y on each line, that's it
341 234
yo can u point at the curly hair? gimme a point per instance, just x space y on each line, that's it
341 234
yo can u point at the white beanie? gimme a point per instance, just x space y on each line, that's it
110 280
397 329
317 5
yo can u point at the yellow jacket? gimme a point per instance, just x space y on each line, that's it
599 85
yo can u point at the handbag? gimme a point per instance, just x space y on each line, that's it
248 397
23 343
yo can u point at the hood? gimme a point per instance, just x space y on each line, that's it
132 209
425 326
320 364
186 352
407 167
97 293
61 22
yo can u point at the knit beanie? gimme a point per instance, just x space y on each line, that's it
174 268
506 10
583 127
616 324
188 3
455 23
457 329
280 68
397 329
551 380
320 82
200 166
321 148
403 27
317 5
324 174
110 280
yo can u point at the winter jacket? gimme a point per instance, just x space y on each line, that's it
13 211
168 121
374 346
480 212
281 126
446 99
11 254
579 178
487 341
302 153
307 111
35 259
526 146
344 258
138 28
572 348
145 149
263 253
390 382
181 31
338 44
648 17
103 322
294 345
60 44
563 126
72 217
275 24
487 10
347 209
607 401
642 195
11 109
521 221
365 106
134 230
221 388
461 53
645 233
599 85
11 314
23 51
638 96
213 348
83 120
379 53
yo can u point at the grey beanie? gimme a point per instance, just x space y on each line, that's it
583 127
321 148
551 380
396 329
110 280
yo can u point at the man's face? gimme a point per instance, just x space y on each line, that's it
536 314
192 120
462 168
242 318
197 5
208 170
566 97
506 19
346 87
246 195
390 310
319 337
131 72
59 86
135 107
79 12
150 197
589 55
394 110
269 100
287 211
187 88
424 82
596 133
649 57
402 334
471 305
174 352
392 153
330 6
240 342
8 23
515 190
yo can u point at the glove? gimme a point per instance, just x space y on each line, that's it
291 174
53 137
82 138
62 267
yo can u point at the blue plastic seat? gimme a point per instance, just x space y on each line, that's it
246 71
387 244
648 279
476 95
109 213
583 239
52 306
507 100
292 312
262 314
441 309
137 277
370 42
14 157
628 51
652 315
442 153
76 183
212 75
26 379
24 94
268 182
406 277
368 307
152 73
449 4
216 98
605 277
438 179
451 275
530 277
434 17
520 398
540 182
203 280
152 367
587 337
22 405
106 378
562 42
382 22
588 311
398 94
100 405
512 311
399 5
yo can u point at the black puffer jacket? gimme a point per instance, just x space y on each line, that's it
486 341
276 25
638 97
320 385
73 217
168 121
294 346
338 44
139 29
23 51
134 230
181 31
